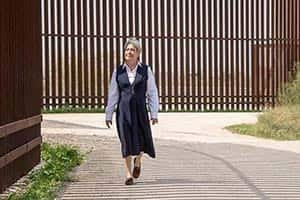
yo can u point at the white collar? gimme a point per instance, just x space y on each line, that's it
135 68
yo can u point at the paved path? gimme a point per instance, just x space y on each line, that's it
184 169
190 171
189 127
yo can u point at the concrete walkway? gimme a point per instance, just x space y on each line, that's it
196 159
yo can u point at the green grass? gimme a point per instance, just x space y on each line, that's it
291 92
243 129
44 183
281 122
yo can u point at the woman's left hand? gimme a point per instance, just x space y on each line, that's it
154 121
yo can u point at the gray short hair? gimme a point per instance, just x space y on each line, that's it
135 43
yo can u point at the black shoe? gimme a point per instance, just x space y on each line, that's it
129 181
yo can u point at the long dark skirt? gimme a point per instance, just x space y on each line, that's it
134 128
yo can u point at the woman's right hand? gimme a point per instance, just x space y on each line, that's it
108 123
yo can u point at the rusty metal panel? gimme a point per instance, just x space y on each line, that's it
20 87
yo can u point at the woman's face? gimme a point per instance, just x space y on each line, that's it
131 53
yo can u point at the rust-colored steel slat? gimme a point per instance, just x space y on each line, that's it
59 53
16 126
92 56
20 151
86 65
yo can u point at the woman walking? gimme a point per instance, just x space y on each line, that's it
132 84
